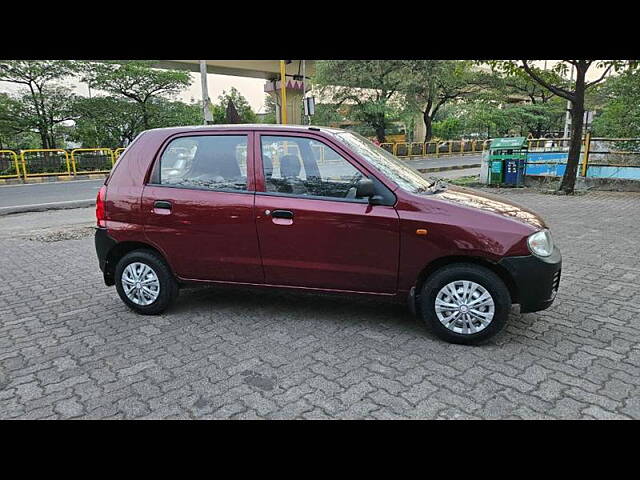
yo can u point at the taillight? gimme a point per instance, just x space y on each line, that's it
101 217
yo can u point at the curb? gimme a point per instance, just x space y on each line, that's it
51 178
42 207
450 167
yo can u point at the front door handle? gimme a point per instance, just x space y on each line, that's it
288 214
162 204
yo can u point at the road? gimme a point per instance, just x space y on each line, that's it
81 193
41 196
444 162
451 174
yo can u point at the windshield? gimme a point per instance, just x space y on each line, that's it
393 168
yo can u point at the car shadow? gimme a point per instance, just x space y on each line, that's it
321 308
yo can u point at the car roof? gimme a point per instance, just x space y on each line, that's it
249 126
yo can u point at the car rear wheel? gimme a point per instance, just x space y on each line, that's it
465 303
145 283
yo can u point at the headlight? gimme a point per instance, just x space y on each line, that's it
540 243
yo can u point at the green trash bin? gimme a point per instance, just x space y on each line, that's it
507 159
495 172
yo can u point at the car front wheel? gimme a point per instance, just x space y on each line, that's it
465 303
145 283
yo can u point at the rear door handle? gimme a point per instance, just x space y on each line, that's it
288 214
162 204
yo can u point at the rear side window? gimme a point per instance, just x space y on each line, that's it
214 162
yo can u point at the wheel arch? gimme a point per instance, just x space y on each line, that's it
119 250
439 263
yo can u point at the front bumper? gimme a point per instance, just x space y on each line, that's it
536 279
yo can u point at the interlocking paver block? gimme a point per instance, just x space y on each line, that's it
69 348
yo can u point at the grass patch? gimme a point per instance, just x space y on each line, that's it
468 181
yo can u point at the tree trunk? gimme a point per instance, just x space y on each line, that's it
537 133
145 116
380 133
43 138
575 144
428 126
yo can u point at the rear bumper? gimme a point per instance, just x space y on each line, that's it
104 243
536 279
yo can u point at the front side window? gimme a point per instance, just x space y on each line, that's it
305 167
393 168
215 162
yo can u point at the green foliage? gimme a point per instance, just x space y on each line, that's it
488 118
327 114
112 122
137 81
429 85
620 116
15 134
371 88
270 110
106 122
136 102
247 115
10 125
37 73
165 113
42 105
448 129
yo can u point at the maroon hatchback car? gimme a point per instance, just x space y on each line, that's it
317 209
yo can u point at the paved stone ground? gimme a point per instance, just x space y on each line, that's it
70 349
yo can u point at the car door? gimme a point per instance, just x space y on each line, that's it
199 206
313 232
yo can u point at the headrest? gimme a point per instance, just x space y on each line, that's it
267 164
289 166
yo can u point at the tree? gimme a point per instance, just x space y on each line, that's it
370 87
533 108
58 107
113 122
245 113
430 84
270 109
620 116
575 94
10 124
137 81
481 118
166 113
107 122
38 78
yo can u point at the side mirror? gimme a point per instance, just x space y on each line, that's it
365 188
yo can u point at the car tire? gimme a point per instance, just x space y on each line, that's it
154 287
454 304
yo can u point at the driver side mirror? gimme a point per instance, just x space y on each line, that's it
367 189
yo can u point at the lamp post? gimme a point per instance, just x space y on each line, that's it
283 93
208 118
568 114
